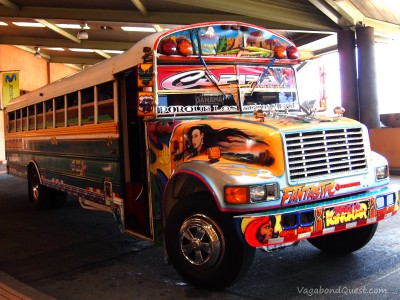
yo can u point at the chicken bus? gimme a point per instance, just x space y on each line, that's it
196 139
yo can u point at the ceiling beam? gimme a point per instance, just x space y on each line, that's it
57 29
264 19
348 11
75 60
10 4
139 5
306 38
352 17
158 28
382 29
330 12
102 53
87 44
265 11
33 51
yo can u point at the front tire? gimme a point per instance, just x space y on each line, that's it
203 246
345 241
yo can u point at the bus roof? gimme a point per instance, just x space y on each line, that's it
217 41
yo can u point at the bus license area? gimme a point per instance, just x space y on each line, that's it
346 213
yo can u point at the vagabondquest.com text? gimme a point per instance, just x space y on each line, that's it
343 290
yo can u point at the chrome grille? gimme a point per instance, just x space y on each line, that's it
325 152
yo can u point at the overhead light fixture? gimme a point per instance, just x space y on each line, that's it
3 24
69 26
37 53
114 51
139 29
55 48
28 24
82 34
81 50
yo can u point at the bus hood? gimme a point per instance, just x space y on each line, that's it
245 139
296 122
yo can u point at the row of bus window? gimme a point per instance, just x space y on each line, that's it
93 105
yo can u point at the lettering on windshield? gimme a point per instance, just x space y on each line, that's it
197 79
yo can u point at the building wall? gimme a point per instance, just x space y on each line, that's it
2 150
58 71
33 74
386 142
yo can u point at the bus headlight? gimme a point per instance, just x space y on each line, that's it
264 192
381 173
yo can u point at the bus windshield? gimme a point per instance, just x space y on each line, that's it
224 89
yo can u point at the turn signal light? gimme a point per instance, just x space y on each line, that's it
237 195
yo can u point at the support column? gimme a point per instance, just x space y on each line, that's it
368 95
348 73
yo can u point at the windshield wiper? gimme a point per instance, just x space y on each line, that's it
211 75
262 75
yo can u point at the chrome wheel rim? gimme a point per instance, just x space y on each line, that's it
35 187
199 241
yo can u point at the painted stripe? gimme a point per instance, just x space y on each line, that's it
7 292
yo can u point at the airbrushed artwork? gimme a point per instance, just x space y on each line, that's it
228 41
196 139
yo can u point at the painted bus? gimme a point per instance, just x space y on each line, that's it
196 139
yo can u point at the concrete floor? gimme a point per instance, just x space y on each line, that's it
76 254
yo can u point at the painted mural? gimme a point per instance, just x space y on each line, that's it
284 228
236 144
223 40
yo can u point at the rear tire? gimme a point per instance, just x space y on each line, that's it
58 199
345 241
38 194
203 245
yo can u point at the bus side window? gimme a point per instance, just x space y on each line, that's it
19 120
60 111
25 119
72 109
87 103
49 113
39 116
31 118
11 122
105 102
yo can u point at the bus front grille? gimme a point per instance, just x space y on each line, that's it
324 153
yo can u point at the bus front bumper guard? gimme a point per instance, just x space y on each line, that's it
291 224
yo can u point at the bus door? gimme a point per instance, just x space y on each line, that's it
137 208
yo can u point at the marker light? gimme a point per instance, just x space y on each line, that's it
381 172
214 153
185 47
292 52
168 47
280 52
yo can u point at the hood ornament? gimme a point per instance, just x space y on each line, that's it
259 115
339 111
308 107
